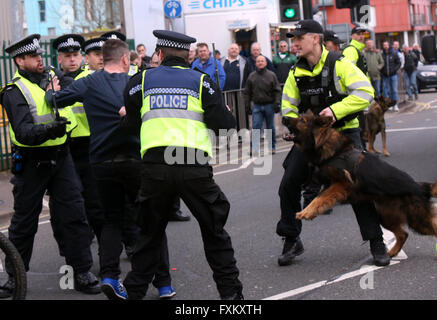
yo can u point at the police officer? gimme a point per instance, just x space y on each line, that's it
332 41
330 86
69 48
172 107
93 54
354 53
39 137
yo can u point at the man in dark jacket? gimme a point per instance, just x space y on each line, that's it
264 90
389 73
410 68
255 52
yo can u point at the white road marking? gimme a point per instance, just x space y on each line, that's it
313 286
412 129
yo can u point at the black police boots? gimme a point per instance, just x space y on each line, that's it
292 249
379 252
235 296
87 282
179 216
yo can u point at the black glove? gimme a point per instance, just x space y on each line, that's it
57 128
277 108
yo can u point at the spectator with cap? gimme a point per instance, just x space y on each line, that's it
234 67
283 62
375 63
206 64
332 41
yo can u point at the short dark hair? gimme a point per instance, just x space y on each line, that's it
202 44
114 50
140 45
133 55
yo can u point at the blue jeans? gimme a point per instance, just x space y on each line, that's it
259 113
390 87
377 86
410 81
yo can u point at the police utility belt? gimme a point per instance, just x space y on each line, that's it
43 156
319 92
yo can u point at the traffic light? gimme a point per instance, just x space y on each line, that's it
289 10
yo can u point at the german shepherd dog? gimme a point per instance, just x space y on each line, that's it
349 176
375 123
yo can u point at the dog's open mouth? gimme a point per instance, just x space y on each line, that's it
289 137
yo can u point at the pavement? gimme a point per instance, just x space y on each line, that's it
7 201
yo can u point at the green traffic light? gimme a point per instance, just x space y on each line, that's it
289 13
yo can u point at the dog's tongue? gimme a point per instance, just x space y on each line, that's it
289 137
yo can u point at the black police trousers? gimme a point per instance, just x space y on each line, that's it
59 177
208 204
93 207
118 184
295 175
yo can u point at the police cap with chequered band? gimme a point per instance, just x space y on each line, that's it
114 35
304 27
171 39
28 45
358 29
68 43
94 44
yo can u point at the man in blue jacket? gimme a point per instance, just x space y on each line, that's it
206 64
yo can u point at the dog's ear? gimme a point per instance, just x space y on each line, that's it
323 122
309 113
321 134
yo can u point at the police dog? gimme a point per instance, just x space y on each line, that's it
351 176
375 123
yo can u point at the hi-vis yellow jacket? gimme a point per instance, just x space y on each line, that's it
348 79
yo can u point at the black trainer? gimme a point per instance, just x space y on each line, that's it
7 288
379 253
87 283
292 249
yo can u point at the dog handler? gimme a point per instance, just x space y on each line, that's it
331 87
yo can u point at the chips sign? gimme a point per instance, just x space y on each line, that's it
173 9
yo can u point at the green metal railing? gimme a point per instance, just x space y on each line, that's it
7 71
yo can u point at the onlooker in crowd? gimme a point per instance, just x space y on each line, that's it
392 64
283 62
375 63
410 68
192 55
255 52
218 55
263 89
397 49
416 50
206 64
293 49
234 67
141 49
332 41
154 60
245 49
